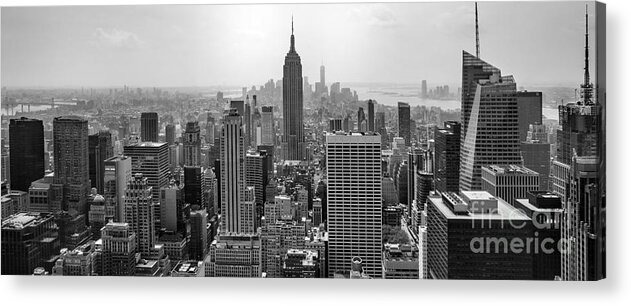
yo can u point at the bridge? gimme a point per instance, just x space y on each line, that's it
9 105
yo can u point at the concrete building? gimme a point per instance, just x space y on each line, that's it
400 261
509 182
151 159
354 192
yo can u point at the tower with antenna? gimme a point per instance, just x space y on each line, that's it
587 88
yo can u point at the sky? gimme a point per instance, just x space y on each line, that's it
540 43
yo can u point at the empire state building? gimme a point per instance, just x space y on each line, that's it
293 145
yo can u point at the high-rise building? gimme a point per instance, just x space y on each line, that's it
149 127
509 182
71 162
26 152
232 157
400 261
404 122
151 159
192 145
256 176
545 210
210 128
293 145
424 89
116 176
169 134
198 247
354 193
536 156
119 249
194 184
301 264
464 230
267 125
234 255
490 133
529 110
81 261
100 149
97 216
380 127
371 116
173 215
28 239
335 124
139 213
447 157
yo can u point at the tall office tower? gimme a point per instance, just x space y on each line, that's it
535 153
293 145
578 178
149 127
97 216
529 111
234 256
173 215
545 210
239 105
115 177
490 131
210 129
26 152
267 125
477 218
322 76
119 249
402 184
139 212
169 134
198 247
424 89
362 125
70 139
232 157
194 184
371 116
380 127
582 226
335 124
151 159
247 123
256 175
447 157
509 182
404 122
354 192
100 149
192 143
28 239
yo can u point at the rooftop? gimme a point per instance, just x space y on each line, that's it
509 170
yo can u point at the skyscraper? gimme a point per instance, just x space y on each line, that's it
404 122
70 139
371 116
529 111
149 127
139 213
361 120
100 146
232 157
293 145
424 89
354 193
490 132
26 152
267 125
27 240
169 134
447 157
119 249
380 127
192 143
151 159
194 187
198 246
115 177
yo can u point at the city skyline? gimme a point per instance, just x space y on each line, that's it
203 46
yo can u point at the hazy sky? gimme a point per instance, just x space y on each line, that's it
244 45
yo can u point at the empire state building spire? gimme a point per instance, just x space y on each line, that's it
292 46
587 89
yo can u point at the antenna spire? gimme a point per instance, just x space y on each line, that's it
587 87
292 24
477 33
292 47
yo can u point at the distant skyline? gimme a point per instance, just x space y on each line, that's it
540 43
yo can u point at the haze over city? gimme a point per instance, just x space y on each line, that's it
203 45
